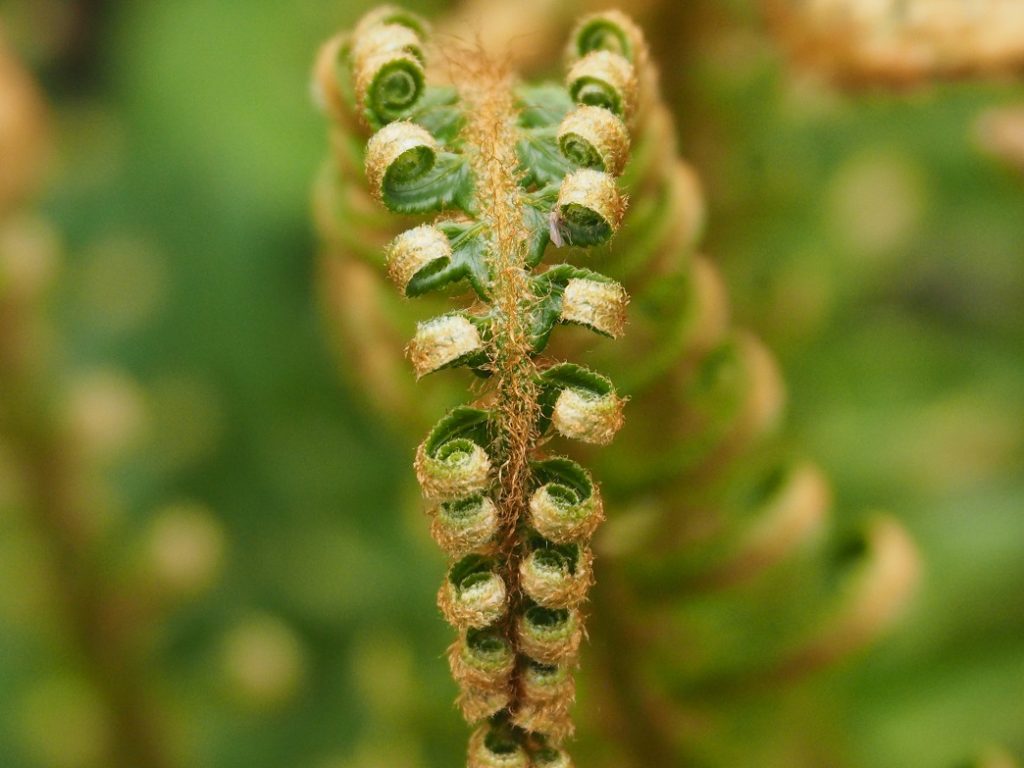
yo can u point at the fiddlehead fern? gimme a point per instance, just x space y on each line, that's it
706 398
516 523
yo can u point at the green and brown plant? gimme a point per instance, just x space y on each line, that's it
703 497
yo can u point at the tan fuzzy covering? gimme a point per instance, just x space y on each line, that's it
596 191
414 249
555 588
543 686
440 341
646 72
602 130
563 525
390 143
481 757
487 89
479 606
383 39
379 16
376 45
612 69
561 760
596 304
586 417
546 704
475 532
559 646
553 719
477 704
480 671
448 480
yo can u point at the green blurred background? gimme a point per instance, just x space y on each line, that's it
864 236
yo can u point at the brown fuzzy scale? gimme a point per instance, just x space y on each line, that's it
478 606
483 684
561 525
490 134
477 704
444 481
547 703
558 647
556 588
473 532
482 757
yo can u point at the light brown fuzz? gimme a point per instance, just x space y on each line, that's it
597 304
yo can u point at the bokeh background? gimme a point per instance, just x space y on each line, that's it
252 528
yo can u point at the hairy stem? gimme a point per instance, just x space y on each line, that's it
490 134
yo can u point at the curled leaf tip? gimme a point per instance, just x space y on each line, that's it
596 304
399 152
592 137
611 31
605 79
587 417
550 636
415 250
557 576
590 207
473 595
491 747
465 526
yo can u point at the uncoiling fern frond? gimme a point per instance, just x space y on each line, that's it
512 168
702 499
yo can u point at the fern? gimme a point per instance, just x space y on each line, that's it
703 499
513 170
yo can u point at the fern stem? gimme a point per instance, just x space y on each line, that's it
491 145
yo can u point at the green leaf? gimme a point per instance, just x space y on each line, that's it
440 113
460 423
602 34
543 105
448 183
470 570
468 262
548 288
537 220
565 473
540 159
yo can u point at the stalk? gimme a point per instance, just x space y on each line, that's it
516 171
